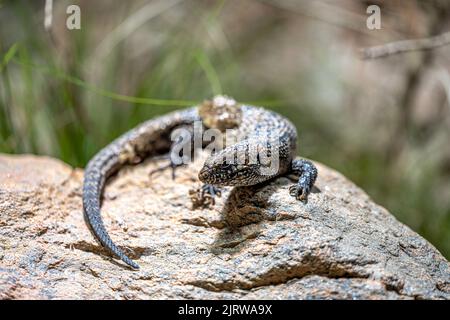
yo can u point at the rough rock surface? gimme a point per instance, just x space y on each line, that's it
255 243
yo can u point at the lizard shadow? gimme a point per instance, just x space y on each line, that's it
102 252
245 211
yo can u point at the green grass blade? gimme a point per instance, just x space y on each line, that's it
9 55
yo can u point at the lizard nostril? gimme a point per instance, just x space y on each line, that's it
203 174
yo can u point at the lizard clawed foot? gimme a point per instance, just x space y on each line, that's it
204 196
210 190
300 192
307 176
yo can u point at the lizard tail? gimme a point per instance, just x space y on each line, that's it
95 175
98 230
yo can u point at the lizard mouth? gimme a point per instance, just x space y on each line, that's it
204 175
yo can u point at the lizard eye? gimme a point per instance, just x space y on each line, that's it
226 166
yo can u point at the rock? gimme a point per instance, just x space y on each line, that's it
254 243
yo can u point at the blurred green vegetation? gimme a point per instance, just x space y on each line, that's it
58 98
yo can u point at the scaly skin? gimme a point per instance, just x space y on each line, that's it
256 129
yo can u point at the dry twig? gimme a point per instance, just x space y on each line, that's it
406 46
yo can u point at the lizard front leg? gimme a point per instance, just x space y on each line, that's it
307 173
205 195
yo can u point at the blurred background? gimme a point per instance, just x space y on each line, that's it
384 123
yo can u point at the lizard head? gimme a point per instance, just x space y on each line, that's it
230 167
